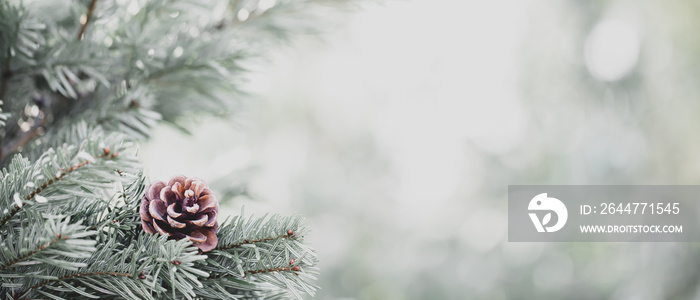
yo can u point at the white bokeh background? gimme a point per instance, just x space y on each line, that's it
407 85
397 135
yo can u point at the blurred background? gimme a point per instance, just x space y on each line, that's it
398 133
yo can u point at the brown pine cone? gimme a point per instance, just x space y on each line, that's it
185 207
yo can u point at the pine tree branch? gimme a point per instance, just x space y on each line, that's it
33 252
280 269
33 193
91 9
167 64
249 272
266 263
267 239
76 275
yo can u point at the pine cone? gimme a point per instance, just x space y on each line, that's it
185 207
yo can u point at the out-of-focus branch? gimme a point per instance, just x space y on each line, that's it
3 88
88 16
23 139
6 74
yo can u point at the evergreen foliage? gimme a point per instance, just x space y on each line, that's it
80 82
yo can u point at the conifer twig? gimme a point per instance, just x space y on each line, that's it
88 16
239 244
62 278
16 208
280 269
270 270
30 253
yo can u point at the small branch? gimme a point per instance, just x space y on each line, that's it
236 245
91 9
49 182
24 139
280 269
21 141
23 257
41 284
6 74
5 78
249 272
